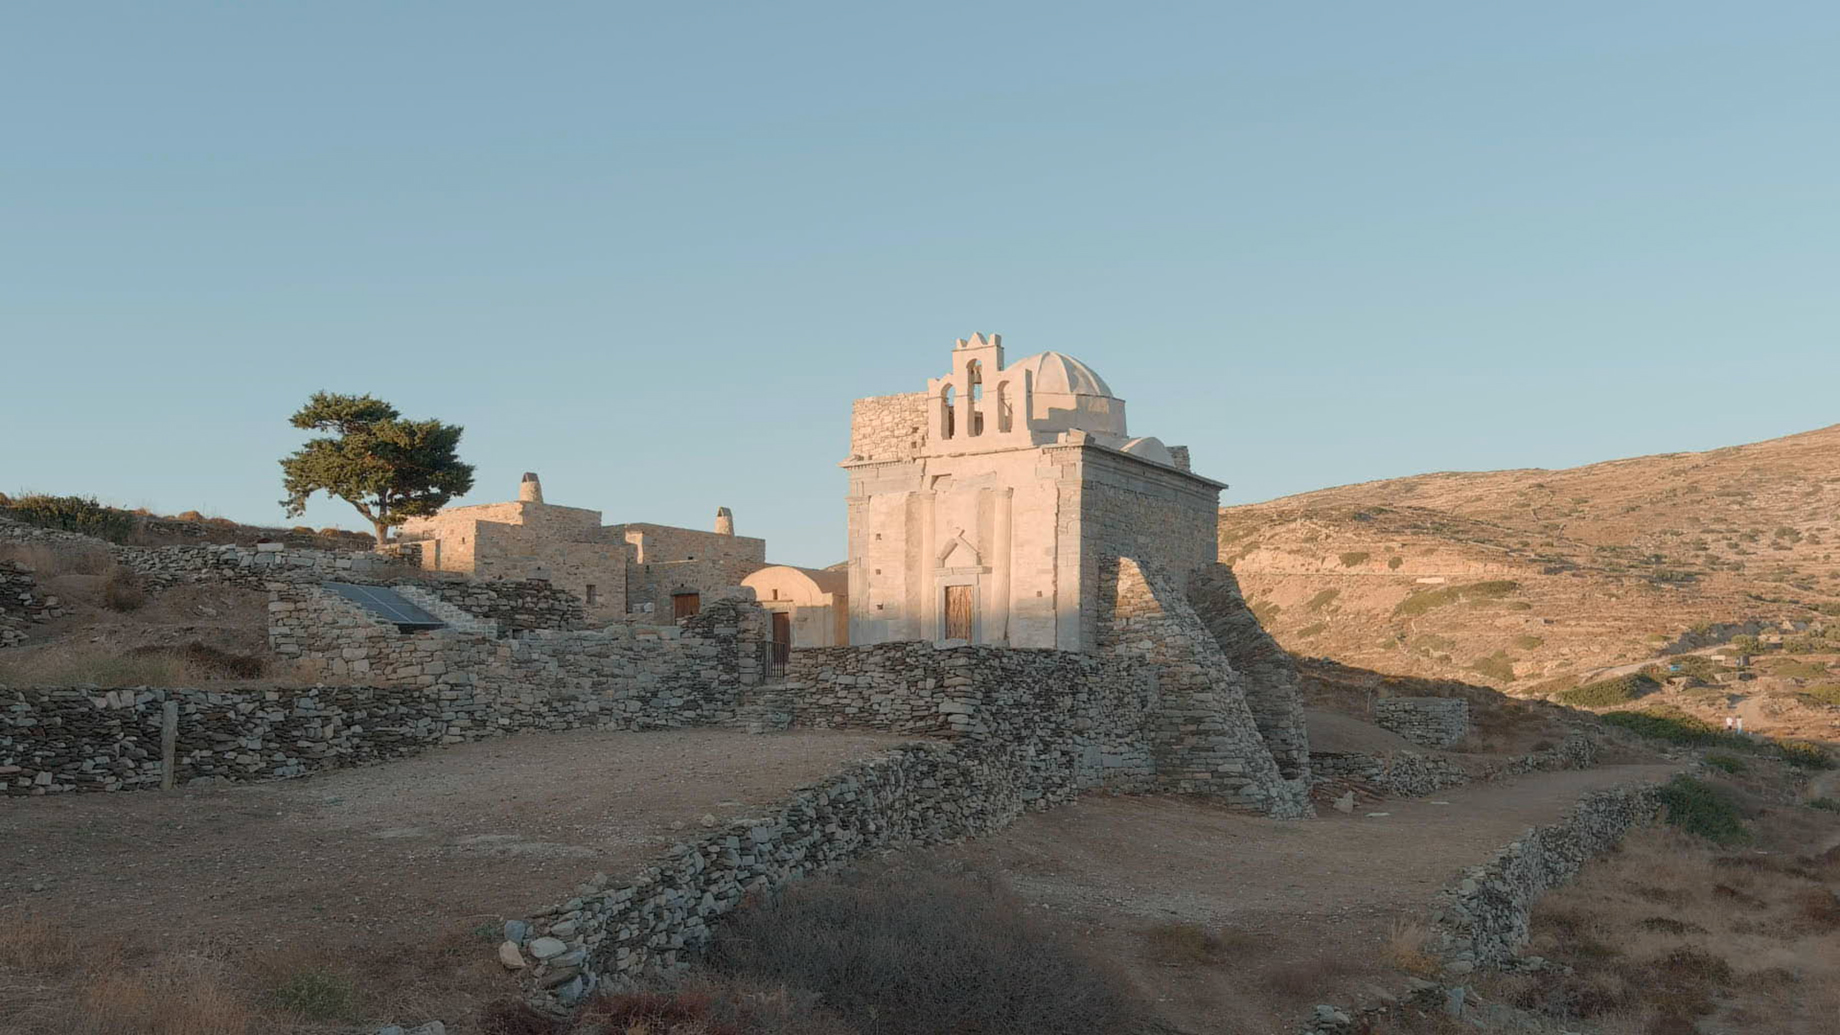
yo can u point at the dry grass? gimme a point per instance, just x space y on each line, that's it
76 664
54 981
1408 948
1746 934
48 560
1190 945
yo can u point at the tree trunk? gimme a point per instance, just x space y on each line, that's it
383 533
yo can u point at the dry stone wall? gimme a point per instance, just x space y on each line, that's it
1408 774
917 794
1083 719
22 603
1482 918
93 739
1428 721
619 678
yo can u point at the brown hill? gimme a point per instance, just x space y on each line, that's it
1540 578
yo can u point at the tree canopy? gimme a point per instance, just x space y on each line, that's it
389 468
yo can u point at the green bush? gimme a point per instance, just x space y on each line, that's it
1354 557
1673 726
317 995
1495 666
1726 763
1799 669
1393 563
1528 641
74 514
1824 693
1825 804
1419 603
1607 693
1323 599
1703 810
1313 629
1494 589
1804 754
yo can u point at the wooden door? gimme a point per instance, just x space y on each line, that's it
782 635
958 612
683 605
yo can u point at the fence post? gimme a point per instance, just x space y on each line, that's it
169 745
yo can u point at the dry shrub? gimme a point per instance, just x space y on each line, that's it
177 995
705 1005
1407 947
123 592
33 945
916 950
50 560
1818 908
79 664
1578 996
205 661
1184 944
1305 979
513 1016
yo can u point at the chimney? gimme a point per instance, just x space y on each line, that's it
530 490
725 521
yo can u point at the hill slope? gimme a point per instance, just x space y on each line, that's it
1536 576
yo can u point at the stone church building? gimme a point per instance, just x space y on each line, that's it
982 508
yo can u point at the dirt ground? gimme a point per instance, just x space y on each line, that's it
460 837
1304 911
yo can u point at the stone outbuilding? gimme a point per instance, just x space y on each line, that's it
647 571
808 607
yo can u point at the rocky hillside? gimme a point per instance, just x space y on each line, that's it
1536 577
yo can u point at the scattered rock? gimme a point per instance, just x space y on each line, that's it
1345 803
509 955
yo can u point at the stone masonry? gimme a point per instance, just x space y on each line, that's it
1428 721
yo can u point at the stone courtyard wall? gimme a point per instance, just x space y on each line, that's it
618 678
1083 720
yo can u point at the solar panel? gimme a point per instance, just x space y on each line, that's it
387 604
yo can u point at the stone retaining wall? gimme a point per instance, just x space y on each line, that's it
22 603
1408 774
90 739
1428 721
1481 919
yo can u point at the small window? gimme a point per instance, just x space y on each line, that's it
590 593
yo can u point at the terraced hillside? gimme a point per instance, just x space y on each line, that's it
1538 578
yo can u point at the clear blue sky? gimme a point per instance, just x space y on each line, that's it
654 250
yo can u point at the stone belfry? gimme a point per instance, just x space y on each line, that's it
982 508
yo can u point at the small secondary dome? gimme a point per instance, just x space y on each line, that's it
1061 374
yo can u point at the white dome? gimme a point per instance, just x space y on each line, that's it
1150 448
1056 373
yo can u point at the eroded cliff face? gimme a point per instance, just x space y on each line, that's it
1272 686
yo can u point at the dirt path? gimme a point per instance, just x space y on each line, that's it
405 852
1305 908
